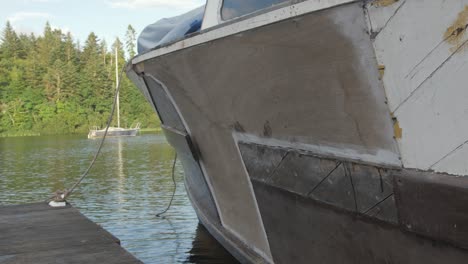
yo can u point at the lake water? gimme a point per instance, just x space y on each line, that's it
129 184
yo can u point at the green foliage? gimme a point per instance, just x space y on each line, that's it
130 36
50 85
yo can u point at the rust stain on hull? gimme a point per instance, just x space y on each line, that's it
381 71
455 34
382 3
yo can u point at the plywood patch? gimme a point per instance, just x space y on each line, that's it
382 3
397 129
455 34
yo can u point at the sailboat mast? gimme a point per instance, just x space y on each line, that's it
117 84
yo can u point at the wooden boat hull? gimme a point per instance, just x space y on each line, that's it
291 153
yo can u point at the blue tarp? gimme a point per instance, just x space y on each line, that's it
168 30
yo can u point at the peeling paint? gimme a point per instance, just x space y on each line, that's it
381 71
425 80
383 3
455 34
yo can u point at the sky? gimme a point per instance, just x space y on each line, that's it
108 19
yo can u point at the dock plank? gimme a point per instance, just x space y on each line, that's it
104 253
37 233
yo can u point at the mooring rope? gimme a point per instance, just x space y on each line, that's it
175 187
60 196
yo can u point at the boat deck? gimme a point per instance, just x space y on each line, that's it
37 233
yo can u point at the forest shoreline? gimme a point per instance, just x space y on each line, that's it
155 130
53 84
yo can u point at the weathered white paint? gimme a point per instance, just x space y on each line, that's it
211 16
425 80
455 162
379 16
355 153
435 118
243 25
412 44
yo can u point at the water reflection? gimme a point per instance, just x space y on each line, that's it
130 183
120 171
205 249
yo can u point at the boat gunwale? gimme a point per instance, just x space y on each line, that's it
258 19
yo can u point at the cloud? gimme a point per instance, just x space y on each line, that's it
42 1
21 16
25 29
33 22
133 4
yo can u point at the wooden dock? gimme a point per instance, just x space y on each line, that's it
37 233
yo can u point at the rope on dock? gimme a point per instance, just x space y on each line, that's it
61 196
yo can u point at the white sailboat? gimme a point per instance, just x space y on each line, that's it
115 131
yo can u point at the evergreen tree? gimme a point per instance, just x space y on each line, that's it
70 49
48 84
130 36
10 42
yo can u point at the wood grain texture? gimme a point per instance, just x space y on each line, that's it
37 233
